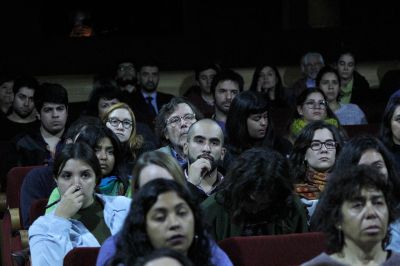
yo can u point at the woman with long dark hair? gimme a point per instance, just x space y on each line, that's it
162 215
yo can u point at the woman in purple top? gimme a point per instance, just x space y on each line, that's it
162 215
355 212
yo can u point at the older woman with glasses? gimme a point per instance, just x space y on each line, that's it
313 157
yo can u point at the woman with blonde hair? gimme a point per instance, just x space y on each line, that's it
121 120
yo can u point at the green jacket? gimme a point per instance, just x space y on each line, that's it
222 227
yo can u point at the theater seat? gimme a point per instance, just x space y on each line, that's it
358 130
81 257
279 250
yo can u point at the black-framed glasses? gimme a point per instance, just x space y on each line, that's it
175 120
316 145
125 123
315 105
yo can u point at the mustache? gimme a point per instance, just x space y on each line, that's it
206 156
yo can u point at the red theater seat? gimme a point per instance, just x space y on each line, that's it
81 257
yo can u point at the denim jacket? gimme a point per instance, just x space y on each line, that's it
51 237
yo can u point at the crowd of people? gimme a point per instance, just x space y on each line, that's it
147 175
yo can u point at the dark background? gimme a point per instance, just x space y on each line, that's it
181 34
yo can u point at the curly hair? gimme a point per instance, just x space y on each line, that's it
162 253
135 141
386 133
344 186
134 242
257 170
354 149
302 143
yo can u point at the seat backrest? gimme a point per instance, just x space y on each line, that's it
357 130
15 177
292 249
38 208
82 256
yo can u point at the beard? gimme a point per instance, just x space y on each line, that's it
124 82
23 114
214 163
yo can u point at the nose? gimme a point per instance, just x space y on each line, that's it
370 210
77 180
102 155
263 121
120 126
174 223
229 95
206 147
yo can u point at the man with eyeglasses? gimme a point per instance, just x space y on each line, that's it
310 65
126 76
172 125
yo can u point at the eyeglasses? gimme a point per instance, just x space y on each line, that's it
115 123
126 68
315 105
175 120
316 145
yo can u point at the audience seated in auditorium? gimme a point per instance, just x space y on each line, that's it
148 228
312 159
40 146
204 151
353 86
354 212
22 118
311 106
256 198
347 113
390 128
39 182
72 224
310 65
249 125
148 101
224 87
200 94
172 125
114 179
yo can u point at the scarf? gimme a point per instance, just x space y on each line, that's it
314 184
298 124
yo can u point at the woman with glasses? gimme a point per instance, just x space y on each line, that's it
328 81
121 120
313 157
249 125
311 106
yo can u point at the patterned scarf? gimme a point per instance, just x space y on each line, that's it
299 123
314 184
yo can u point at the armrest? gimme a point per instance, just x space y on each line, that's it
15 219
3 203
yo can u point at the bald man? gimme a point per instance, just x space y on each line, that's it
204 151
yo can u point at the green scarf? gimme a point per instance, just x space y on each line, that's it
299 123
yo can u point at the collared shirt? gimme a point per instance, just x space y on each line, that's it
182 161
51 237
153 95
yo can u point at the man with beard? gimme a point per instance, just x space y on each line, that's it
204 151
224 87
148 101
22 118
39 147
126 78
172 125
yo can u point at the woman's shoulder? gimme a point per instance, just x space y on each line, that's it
322 259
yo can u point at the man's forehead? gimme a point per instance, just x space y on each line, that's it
26 91
53 105
228 85
207 130
149 69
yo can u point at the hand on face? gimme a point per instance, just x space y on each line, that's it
198 169
70 202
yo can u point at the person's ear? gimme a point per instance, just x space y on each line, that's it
223 151
186 148
300 110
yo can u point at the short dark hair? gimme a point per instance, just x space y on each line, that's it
354 149
300 100
50 93
323 71
302 143
134 242
77 151
167 110
106 90
227 74
25 81
161 253
201 68
344 186
260 170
